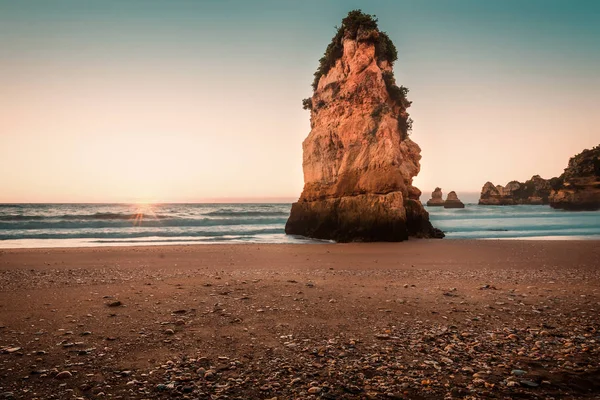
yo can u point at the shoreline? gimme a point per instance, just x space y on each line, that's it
422 319
52 243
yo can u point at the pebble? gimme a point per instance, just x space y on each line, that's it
11 350
529 384
314 390
209 375
64 375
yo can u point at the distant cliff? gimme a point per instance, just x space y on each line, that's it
578 188
580 183
358 160
534 191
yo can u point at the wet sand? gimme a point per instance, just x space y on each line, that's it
416 320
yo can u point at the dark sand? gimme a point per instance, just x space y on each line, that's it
416 320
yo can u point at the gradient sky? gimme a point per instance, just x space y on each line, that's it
107 101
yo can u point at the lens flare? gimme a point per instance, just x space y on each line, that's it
143 210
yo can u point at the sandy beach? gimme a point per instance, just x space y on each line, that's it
423 319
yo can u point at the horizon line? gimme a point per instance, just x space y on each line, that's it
208 200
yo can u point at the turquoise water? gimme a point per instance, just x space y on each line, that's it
58 225
515 222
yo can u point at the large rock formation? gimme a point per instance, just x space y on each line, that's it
534 191
436 198
452 201
358 161
580 183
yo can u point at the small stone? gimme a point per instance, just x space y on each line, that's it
115 303
161 387
11 350
64 375
530 384
518 372
314 390
169 332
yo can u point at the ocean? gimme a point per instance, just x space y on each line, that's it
73 225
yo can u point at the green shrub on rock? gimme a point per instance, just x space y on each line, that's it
355 20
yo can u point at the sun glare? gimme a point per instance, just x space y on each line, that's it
143 211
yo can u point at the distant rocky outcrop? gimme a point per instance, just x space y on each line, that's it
580 183
436 198
533 191
358 160
452 201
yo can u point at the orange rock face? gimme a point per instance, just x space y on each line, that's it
358 161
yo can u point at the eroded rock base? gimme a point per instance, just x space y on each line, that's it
362 218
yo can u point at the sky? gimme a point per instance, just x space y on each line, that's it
185 101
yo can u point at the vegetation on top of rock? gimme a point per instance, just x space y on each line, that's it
405 125
354 22
556 182
586 163
397 93
528 189
307 104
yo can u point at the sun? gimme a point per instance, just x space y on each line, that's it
144 210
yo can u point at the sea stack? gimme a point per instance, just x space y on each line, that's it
533 191
452 201
358 160
436 198
580 183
